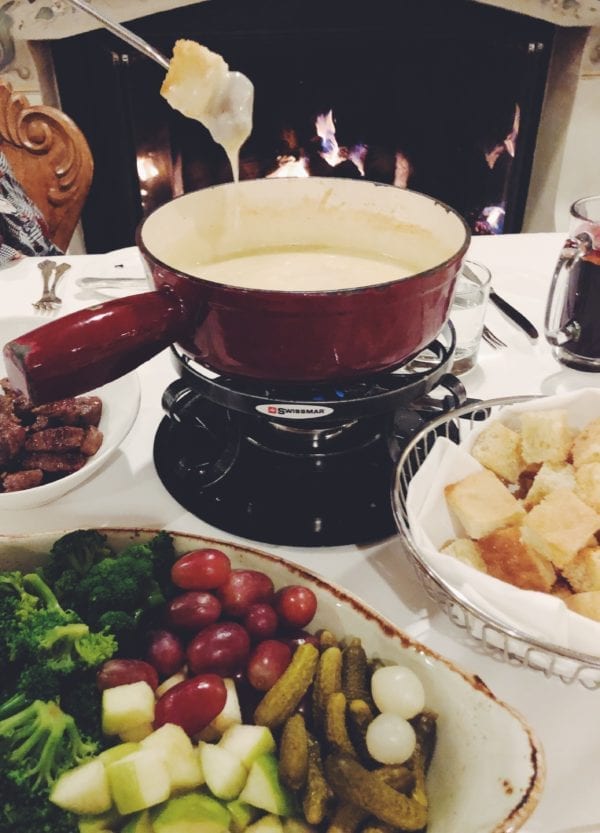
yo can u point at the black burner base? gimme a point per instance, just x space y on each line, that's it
274 498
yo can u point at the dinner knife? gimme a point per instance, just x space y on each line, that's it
515 316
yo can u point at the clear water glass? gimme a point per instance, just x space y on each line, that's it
468 313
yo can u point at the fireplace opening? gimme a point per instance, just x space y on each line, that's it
437 96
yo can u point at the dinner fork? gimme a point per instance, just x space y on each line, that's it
492 339
49 299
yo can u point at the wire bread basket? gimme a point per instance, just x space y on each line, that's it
487 633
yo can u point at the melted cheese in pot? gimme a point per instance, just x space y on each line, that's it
299 270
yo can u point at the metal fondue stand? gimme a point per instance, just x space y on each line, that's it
299 465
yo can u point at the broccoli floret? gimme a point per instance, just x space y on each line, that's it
71 557
35 682
55 637
41 741
23 810
124 584
80 698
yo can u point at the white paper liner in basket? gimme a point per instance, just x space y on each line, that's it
539 615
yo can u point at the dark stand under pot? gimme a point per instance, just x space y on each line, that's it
301 465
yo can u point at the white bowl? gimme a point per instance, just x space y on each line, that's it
487 771
120 405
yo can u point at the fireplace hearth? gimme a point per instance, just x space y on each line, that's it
440 97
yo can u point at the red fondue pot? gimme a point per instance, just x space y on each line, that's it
272 334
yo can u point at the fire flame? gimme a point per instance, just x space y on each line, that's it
330 151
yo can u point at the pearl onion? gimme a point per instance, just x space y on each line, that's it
390 739
398 690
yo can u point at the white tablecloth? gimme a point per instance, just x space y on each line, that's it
128 492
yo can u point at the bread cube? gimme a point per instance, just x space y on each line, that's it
559 526
482 503
509 559
545 436
498 448
583 572
586 604
550 477
466 551
587 484
586 445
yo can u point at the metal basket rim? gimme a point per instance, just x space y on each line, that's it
452 594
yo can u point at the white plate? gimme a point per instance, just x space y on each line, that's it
120 405
487 771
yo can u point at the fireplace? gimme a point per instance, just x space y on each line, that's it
440 97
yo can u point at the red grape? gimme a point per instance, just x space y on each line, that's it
165 652
267 663
192 704
221 648
116 672
296 605
244 588
261 621
193 610
201 570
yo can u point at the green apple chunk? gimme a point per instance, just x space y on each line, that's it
136 733
242 815
266 824
264 790
180 756
139 781
225 774
138 823
191 813
101 823
127 706
247 742
83 790
114 753
231 714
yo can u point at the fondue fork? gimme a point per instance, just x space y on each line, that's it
125 34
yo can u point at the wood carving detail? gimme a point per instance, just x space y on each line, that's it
49 155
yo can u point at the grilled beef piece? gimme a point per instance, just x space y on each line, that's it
53 463
19 480
66 438
91 441
12 437
85 410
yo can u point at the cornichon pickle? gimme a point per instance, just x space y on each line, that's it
355 672
425 726
360 715
328 679
399 777
282 700
417 763
352 782
318 793
293 752
347 818
326 639
336 731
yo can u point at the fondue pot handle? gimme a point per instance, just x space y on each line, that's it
557 330
86 349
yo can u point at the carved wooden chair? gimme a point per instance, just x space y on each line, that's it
50 157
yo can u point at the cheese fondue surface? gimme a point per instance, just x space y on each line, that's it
290 269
